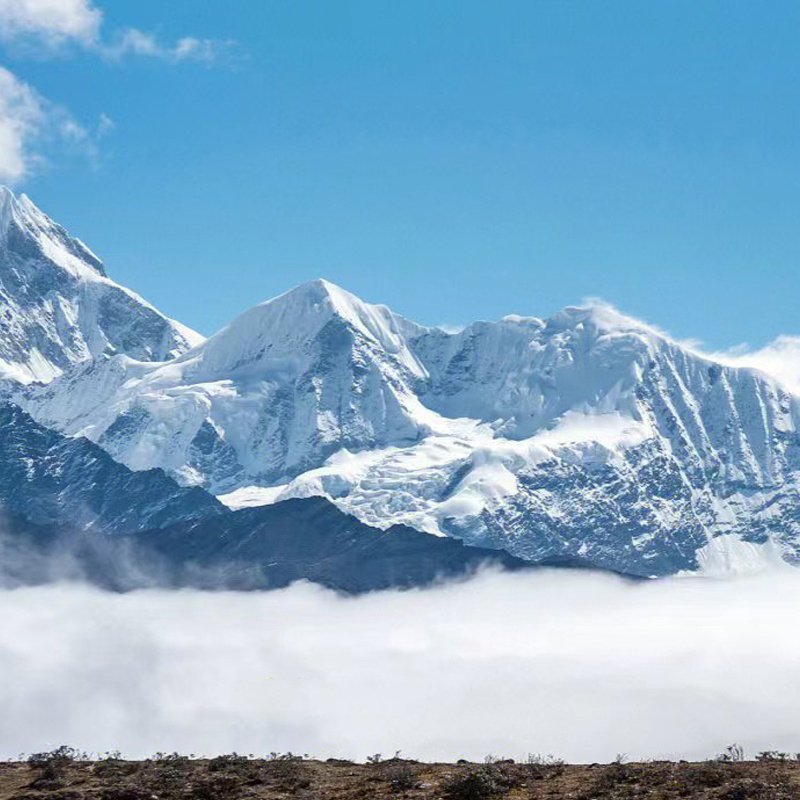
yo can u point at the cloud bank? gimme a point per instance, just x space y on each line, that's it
580 665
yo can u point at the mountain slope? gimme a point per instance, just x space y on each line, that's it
59 308
50 479
273 546
263 548
587 435
287 384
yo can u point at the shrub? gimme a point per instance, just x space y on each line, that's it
402 777
476 784
288 771
230 762
52 764
538 766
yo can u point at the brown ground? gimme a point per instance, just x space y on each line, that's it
56 777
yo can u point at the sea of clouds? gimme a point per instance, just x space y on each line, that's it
581 665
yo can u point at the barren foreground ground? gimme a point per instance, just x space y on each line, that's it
61 776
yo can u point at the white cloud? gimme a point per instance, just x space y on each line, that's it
105 125
30 125
132 41
22 114
54 23
50 21
581 665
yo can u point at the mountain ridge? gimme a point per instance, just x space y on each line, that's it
509 435
586 435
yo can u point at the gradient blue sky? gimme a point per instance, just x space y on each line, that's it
455 160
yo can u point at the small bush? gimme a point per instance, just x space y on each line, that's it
175 760
52 764
476 784
115 768
288 771
540 767
402 777
230 762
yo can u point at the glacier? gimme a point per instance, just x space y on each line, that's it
588 436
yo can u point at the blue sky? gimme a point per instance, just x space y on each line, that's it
455 160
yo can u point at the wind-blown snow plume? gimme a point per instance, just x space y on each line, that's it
779 358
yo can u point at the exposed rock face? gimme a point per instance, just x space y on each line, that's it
50 479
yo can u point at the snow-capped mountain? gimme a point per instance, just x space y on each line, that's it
58 307
585 435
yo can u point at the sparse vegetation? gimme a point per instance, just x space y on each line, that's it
492 779
68 774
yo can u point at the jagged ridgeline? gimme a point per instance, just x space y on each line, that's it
587 437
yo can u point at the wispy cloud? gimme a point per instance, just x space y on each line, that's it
22 115
31 125
48 26
132 41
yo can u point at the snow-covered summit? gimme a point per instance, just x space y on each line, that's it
58 307
21 220
275 334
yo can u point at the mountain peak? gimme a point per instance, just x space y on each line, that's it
284 325
59 306
21 216
340 301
